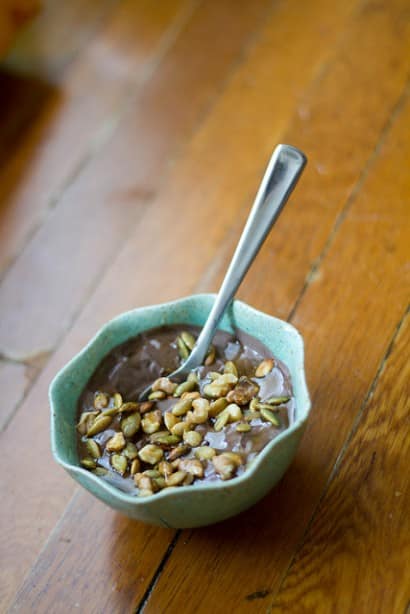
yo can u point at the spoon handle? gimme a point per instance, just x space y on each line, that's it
281 176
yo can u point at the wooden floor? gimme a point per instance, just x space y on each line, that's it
133 135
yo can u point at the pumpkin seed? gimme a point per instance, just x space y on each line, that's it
85 421
200 413
264 367
181 407
214 391
151 422
183 351
176 478
119 463
254 404
111 411
164 384
151 473
210 357
222 420
190 395
188 480
188 339
100 471
179 428
213 375
151 454
131 424
224 466
277 400
99 424
130 450
165 468
187 386
157 395
170 420
116 443
135 466
251 415
159 483
88 463
193 466
117 400
205 453
235 412
93 448
193 377
130 406
217 406
165 439
177 452
235 458
230 367
268 415
192 438
101 400
243 427
200 404
146 406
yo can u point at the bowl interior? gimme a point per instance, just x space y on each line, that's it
280 337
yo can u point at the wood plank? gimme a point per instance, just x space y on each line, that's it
77 112
117 293
97 216
130 559
360 532
348 316
338 129
204 25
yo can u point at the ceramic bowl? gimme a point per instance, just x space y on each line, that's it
185 506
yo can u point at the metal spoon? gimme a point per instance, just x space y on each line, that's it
282 174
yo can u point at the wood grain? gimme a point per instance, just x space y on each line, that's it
338 262
116 295
337 122
105 297
348 316
129 169
79 109
212 66
112 582
361 529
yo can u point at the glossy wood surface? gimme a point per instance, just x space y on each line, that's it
132 139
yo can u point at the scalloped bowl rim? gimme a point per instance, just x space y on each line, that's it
247 475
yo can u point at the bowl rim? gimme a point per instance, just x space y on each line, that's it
102 485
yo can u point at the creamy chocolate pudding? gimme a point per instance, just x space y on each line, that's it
207 428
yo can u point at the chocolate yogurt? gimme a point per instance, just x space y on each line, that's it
206 429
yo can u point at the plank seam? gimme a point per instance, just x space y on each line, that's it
345 446
312 86
314 269
343 449
158 572
104 134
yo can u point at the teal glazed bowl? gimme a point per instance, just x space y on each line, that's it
186 506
